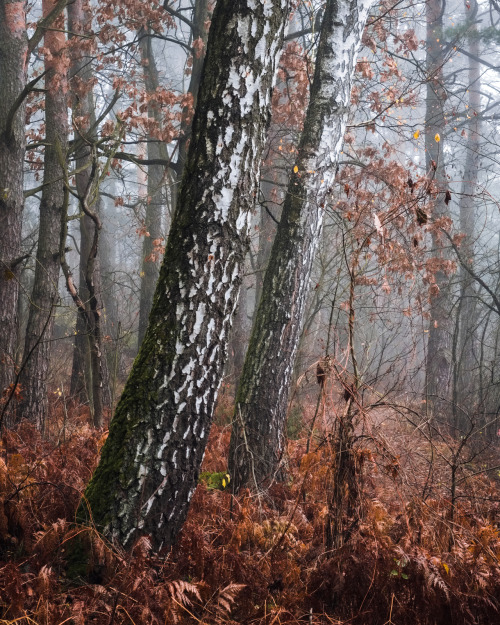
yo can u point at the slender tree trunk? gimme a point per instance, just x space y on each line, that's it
37 347
467 343
154 199
267 232
239 333
199 20
13 67
151 459
439 346
257 442
88 343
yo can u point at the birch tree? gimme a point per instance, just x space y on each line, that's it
150 462
257 441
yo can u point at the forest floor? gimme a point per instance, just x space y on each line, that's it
404 555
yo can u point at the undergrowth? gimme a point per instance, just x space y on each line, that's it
252 559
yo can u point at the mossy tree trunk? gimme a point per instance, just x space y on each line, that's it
37 346
151 459
257 441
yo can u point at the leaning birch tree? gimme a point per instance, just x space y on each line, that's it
257 441
150 462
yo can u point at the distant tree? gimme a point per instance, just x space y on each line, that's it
465 347
438 366
151 459
90 376
257 441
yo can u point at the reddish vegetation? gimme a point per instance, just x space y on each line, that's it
249 559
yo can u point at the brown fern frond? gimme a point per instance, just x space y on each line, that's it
224 602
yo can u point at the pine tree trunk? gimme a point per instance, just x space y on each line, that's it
439 346
13 55
150 462
257 441
37 347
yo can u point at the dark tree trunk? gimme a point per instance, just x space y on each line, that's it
257 441
239 334
439 345
199 20
270 213
13 53
37 346
150 462
154 200
88 342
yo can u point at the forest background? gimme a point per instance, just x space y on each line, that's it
352 468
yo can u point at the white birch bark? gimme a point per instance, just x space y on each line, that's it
150 462
262 398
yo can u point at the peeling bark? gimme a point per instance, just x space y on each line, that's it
257 442
151 459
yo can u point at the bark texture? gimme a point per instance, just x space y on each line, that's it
37 346
439 346
257 441
13 63
151 459
154 201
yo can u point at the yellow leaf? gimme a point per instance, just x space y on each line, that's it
416 134
295 169
446 567
437 138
